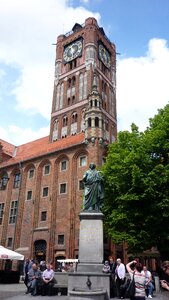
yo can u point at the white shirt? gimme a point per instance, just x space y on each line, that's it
120 271
147 275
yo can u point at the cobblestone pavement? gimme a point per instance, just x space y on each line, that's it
17 292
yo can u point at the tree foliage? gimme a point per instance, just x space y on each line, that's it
136 176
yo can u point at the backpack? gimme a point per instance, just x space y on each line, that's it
130 288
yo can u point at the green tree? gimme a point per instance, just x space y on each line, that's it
136 176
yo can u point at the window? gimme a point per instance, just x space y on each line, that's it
29 195
81 185
65 121
74 117
45 191
96 122
46 169
72 64
89 122
1 212
62 188
61 239
82 161
63 165
17 180
31 173
40 246
73 81
13 212
43 215
3 181
9 243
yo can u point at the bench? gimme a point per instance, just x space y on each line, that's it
60 283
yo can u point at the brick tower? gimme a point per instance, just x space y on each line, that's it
84 97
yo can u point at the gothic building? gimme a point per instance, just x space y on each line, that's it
41 184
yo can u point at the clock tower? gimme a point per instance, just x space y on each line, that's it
84 96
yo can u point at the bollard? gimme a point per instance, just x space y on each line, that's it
157 283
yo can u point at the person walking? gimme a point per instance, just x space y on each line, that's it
120 276
136 268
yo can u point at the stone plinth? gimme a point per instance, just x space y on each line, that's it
99 282
91 238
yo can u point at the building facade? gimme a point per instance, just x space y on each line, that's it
41 186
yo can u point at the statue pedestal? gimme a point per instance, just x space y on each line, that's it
91 242
89 278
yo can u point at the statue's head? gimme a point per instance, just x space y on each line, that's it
92 166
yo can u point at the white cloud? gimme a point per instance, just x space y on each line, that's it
142 85
28 29
17 136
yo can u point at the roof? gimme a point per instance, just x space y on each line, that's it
7 147
40 147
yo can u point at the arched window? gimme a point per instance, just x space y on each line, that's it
73 81
61 95
57 97
89 122
17 180
96 122
81 87
65 120
95 102
74 117
55 127
3 181
40 250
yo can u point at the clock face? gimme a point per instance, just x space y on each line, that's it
104 56
72 51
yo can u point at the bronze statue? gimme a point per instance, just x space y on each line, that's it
93 189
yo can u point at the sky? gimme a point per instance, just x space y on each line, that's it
28 30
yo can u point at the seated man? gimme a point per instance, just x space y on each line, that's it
47 280
148 281
34 277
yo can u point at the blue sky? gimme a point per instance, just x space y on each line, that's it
139 28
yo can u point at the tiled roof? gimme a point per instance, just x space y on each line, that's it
41 147
7 147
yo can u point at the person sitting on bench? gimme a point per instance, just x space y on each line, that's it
47 280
